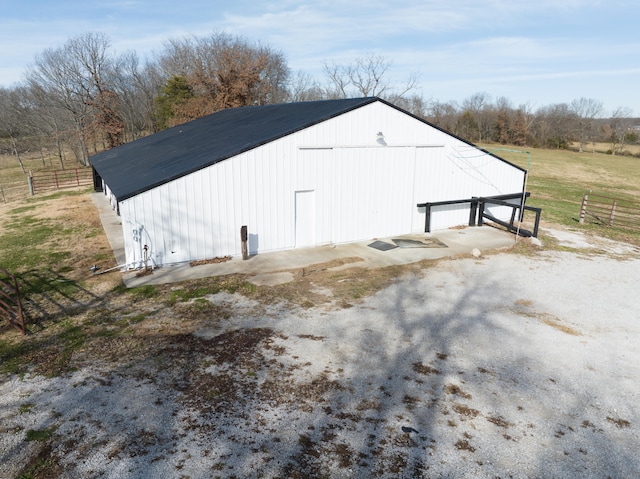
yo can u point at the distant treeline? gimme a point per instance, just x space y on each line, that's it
83 98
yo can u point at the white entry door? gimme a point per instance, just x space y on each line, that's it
305 218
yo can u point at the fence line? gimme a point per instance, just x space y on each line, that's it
609 211
13 191
55 180
38 182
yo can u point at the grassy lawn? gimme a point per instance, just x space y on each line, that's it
558 179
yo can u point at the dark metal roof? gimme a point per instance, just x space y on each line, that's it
143 164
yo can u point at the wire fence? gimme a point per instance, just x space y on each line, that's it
609 211
13 191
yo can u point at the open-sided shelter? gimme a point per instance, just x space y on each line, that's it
295 175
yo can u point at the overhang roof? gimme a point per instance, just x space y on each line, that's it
143 164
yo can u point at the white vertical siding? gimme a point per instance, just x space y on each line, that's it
460 172
362 190
371 195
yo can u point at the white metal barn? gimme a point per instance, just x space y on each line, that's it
297 175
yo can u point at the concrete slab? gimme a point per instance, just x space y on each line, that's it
112 226
276 267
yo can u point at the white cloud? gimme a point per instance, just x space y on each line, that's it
460 46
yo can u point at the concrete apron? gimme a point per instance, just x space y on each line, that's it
276 267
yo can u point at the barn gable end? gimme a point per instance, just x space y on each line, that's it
356 173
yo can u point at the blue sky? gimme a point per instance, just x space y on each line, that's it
535 53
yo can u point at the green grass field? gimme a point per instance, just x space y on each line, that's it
558 179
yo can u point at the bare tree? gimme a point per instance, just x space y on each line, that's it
414 104
49 120
50 79
92 68
273 78
12 121
302 87
339 80
585 111
478 105
443 115
618 129
368 77
77 79
557 123
137 87
178 57
523 123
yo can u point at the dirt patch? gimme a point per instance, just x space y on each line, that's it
545 318
620 423
456 390
498 421
465 411
333 264
44 465
424 369
464 445
215 260
555 323
323 284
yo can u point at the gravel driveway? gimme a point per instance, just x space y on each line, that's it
499 366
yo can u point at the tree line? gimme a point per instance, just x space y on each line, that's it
82 98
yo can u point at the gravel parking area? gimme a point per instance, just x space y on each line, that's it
499 366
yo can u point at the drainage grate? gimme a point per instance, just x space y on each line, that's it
382 246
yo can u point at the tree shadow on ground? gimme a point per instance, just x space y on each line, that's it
432 377
49 295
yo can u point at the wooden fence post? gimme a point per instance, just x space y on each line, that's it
243 239
612 213
30 183
583 209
